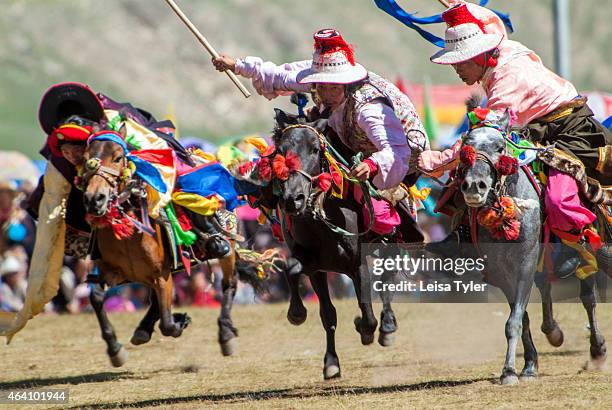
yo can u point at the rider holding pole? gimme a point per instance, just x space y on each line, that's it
367 112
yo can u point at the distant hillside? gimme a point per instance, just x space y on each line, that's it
137 50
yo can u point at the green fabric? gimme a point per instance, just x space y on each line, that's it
115 124
181 237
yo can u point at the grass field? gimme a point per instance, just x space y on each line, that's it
445 356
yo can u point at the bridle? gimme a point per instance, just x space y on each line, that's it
316 196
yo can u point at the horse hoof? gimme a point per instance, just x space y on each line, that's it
229 347
528 377
366 338
181 319
596 364
386 339
555 337
509 379
298 319
120 358
140 337
331 372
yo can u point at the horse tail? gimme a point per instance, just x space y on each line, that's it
255 268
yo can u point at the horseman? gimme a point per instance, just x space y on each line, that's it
367 113
70 113
546 107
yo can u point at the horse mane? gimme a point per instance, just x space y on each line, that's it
473 102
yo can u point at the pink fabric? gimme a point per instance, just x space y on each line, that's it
521 83
246 213
564 207
436 162
372 165
385 216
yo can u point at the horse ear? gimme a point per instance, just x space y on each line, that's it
504 121
320 125
281 117
123 131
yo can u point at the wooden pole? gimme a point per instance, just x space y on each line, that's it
444 3
206 45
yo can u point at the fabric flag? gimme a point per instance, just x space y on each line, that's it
429 116
209 180
410 20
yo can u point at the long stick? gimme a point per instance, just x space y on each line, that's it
444 3
206 45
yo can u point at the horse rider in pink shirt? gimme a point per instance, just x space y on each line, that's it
544 105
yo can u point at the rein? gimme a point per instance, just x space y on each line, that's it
124 186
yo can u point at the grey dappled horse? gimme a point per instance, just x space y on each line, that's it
513 269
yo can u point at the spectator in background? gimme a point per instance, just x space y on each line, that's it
13 284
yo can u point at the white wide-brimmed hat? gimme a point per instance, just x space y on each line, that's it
332 61
465 38
10 265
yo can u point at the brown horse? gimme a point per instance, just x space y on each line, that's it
141 258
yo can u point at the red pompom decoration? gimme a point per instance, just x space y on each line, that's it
292 161
324 181
507 165
265 170
467 155
511 230
280 168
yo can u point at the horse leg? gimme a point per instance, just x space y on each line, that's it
598 343
388 322
297 313
549 327
143 332
327 311
530 371
227 331
117 354
514 327
367 323
170 325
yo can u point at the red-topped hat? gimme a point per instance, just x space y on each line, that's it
333 61
71 133
465 37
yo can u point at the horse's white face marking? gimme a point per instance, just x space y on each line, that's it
479 179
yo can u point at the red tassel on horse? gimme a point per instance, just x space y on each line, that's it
507 165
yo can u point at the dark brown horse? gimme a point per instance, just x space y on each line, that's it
142 258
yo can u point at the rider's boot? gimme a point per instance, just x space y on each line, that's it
215 245
454 244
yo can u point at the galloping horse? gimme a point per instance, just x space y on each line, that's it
142 258
315 248
488 179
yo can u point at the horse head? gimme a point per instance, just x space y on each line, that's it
297 160
484 161
105 167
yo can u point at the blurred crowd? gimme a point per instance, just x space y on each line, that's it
202 288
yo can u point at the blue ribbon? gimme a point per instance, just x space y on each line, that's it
410 20
146 171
